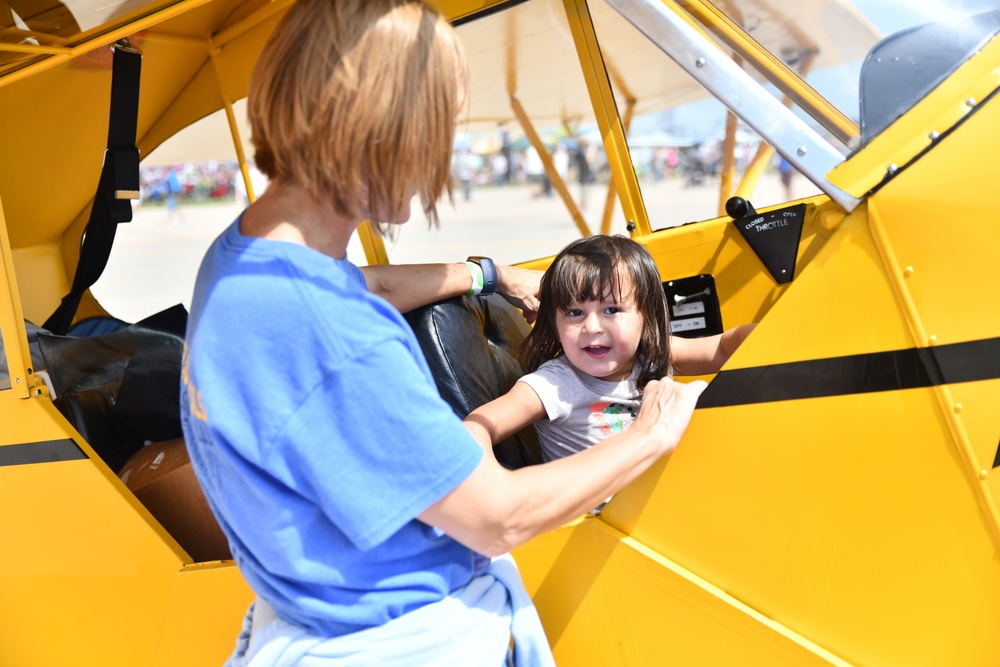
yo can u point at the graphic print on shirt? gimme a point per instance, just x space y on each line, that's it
611 418
197 407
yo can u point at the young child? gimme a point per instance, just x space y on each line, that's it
600 337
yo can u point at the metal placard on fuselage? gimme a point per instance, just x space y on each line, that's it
774 237
694 306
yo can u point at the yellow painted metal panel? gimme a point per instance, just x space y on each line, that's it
40 296
12 338
745 289
840 292
840 518
87 570
941 240
457 9
605 599
918 128
27 168
93 579
799 532
559 569
205 616
943 235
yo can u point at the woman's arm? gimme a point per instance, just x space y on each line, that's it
503 417
495 509
409 286
701 356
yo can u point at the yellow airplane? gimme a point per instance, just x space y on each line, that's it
834 499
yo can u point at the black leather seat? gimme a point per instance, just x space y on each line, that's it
470 343
120 390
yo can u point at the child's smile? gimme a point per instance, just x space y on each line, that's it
597 351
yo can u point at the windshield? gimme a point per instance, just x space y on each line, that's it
826 43
815 53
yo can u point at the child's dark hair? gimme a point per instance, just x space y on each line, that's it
586 270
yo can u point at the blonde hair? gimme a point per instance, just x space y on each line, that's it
356 102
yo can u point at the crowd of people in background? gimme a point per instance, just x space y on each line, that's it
576 161
579 163
189 182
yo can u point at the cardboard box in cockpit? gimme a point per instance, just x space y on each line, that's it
163 480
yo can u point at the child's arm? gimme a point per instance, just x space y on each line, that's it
503 417
701 356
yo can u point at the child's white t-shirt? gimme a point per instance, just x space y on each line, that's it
582 410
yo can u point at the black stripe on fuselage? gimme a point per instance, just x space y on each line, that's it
856 374
47 451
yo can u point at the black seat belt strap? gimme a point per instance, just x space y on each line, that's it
119 183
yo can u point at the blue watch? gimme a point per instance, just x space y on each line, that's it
489 274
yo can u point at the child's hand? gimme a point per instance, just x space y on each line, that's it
666 409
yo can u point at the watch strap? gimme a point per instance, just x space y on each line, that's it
489 274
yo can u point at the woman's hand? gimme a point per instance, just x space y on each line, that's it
520 288
666 409
494 510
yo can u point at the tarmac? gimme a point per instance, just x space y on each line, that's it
155 258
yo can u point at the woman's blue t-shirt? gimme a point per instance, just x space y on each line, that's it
318 434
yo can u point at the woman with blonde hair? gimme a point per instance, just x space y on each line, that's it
371 526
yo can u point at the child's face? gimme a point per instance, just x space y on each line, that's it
600 338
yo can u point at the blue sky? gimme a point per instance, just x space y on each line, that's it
890 16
